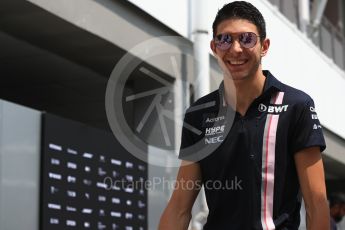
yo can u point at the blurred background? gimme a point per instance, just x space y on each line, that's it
56 58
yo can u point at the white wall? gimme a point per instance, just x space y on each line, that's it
173 13
292 56
20 142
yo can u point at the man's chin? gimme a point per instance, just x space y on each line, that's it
238 76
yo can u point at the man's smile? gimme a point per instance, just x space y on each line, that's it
233 63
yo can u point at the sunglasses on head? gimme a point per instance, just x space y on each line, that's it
246 40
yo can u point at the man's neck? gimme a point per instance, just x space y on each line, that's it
241 93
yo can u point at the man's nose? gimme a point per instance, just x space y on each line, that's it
236 47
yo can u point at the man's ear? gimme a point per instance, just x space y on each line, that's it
213 47
265 46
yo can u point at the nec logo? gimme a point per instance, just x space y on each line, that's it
273 108
214 140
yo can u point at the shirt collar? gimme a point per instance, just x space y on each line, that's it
272 84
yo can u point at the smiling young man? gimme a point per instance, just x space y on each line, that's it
271 145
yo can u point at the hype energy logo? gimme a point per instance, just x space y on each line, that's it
214 135
145 106
214 130
273 108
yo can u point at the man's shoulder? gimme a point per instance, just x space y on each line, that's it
292 95
295 96
207 102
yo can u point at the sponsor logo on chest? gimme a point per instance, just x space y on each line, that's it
214 119
214 134
213 140
273 108
214 130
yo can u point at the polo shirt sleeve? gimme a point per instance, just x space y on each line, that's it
187 140
307 130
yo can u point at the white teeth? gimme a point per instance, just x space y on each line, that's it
237 62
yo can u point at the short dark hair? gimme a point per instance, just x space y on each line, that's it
241 10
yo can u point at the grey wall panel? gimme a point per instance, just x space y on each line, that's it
338 52
326 41
159 192
289 9
19 167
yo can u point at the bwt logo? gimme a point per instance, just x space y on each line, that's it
214 130
273 108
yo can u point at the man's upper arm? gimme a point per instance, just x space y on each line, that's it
187 187
310 171
312 182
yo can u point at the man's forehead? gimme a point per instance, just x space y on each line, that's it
236 25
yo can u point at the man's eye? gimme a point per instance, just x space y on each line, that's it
226 38
246 38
